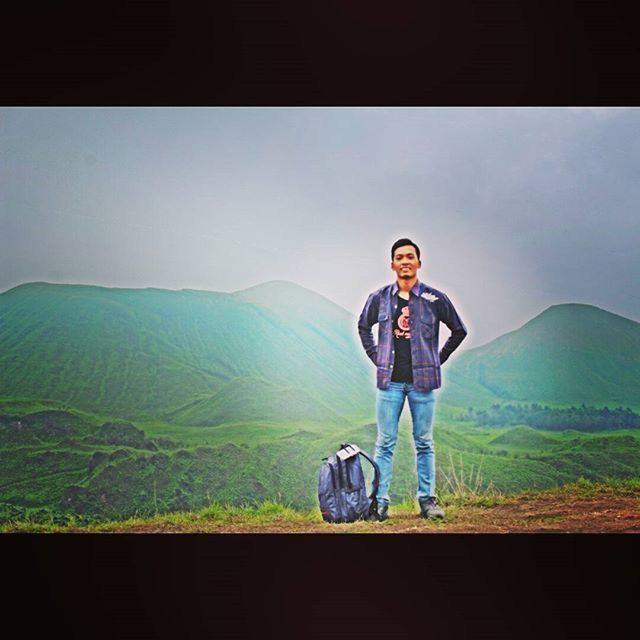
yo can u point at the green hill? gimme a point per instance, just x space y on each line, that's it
187 355
524 437
569 354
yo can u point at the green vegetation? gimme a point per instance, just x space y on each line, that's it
581 418
266 512
59 466
274 515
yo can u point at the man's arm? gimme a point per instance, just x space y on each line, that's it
450 317
368 318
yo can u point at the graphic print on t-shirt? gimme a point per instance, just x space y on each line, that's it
402 328
402 371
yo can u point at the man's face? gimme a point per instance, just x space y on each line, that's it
405 262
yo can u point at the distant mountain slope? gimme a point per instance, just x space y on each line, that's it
291 300
278 351
570 353
135 353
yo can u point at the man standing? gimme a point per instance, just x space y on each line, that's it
408 313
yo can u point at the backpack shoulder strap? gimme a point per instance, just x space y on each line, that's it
348 450
376 474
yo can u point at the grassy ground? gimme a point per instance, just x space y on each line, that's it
580 507
63 462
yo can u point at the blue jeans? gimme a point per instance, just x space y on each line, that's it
389 404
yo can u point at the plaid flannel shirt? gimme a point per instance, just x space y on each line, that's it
427 308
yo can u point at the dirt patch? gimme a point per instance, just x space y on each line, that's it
572 514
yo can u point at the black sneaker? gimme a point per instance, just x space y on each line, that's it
429 508
383 512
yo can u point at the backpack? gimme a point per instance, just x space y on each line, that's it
341 487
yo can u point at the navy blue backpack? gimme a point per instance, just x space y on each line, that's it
341 487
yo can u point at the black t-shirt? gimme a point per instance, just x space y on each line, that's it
402 371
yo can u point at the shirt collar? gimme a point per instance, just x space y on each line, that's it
415 289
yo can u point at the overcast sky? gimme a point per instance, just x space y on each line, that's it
513 209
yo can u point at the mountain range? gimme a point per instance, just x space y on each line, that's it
278 352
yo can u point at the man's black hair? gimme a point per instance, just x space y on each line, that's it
401 243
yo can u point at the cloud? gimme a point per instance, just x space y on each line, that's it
503 201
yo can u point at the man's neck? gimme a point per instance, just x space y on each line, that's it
406 285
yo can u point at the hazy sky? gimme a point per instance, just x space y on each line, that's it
514 209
